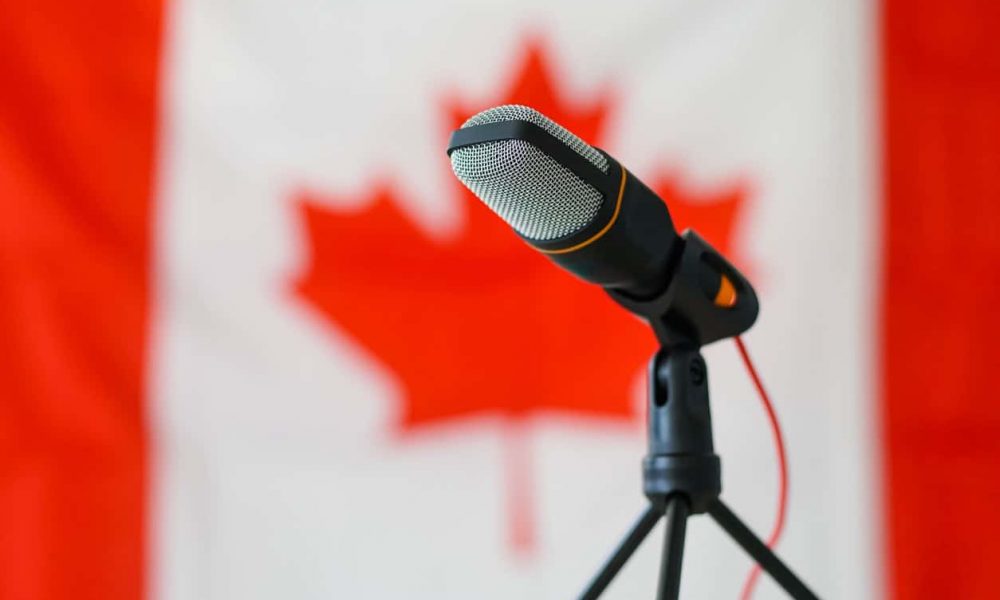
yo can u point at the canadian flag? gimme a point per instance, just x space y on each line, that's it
258 342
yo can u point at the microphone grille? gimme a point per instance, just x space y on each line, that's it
537 196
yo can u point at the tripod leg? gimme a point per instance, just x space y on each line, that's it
759 552
639 531
677 512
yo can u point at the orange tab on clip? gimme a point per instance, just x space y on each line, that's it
726 296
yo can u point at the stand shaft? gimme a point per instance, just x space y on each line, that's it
759 552
677 512
617 560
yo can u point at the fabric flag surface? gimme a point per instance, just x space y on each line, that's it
260 342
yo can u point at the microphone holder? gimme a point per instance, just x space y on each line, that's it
681 472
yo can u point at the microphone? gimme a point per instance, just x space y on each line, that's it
582 209
587 213
566 199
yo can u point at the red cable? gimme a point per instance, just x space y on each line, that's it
779 441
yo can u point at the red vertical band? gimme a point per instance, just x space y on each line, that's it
77 119
941 298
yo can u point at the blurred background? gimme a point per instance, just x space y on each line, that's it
258 342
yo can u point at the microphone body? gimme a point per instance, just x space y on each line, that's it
568 200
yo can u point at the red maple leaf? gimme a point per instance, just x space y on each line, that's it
481 324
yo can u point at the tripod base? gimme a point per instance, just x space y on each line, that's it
676 513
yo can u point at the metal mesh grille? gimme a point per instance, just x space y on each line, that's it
534 194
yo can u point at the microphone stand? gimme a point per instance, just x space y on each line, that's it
681 472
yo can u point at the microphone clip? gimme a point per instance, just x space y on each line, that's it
705 300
